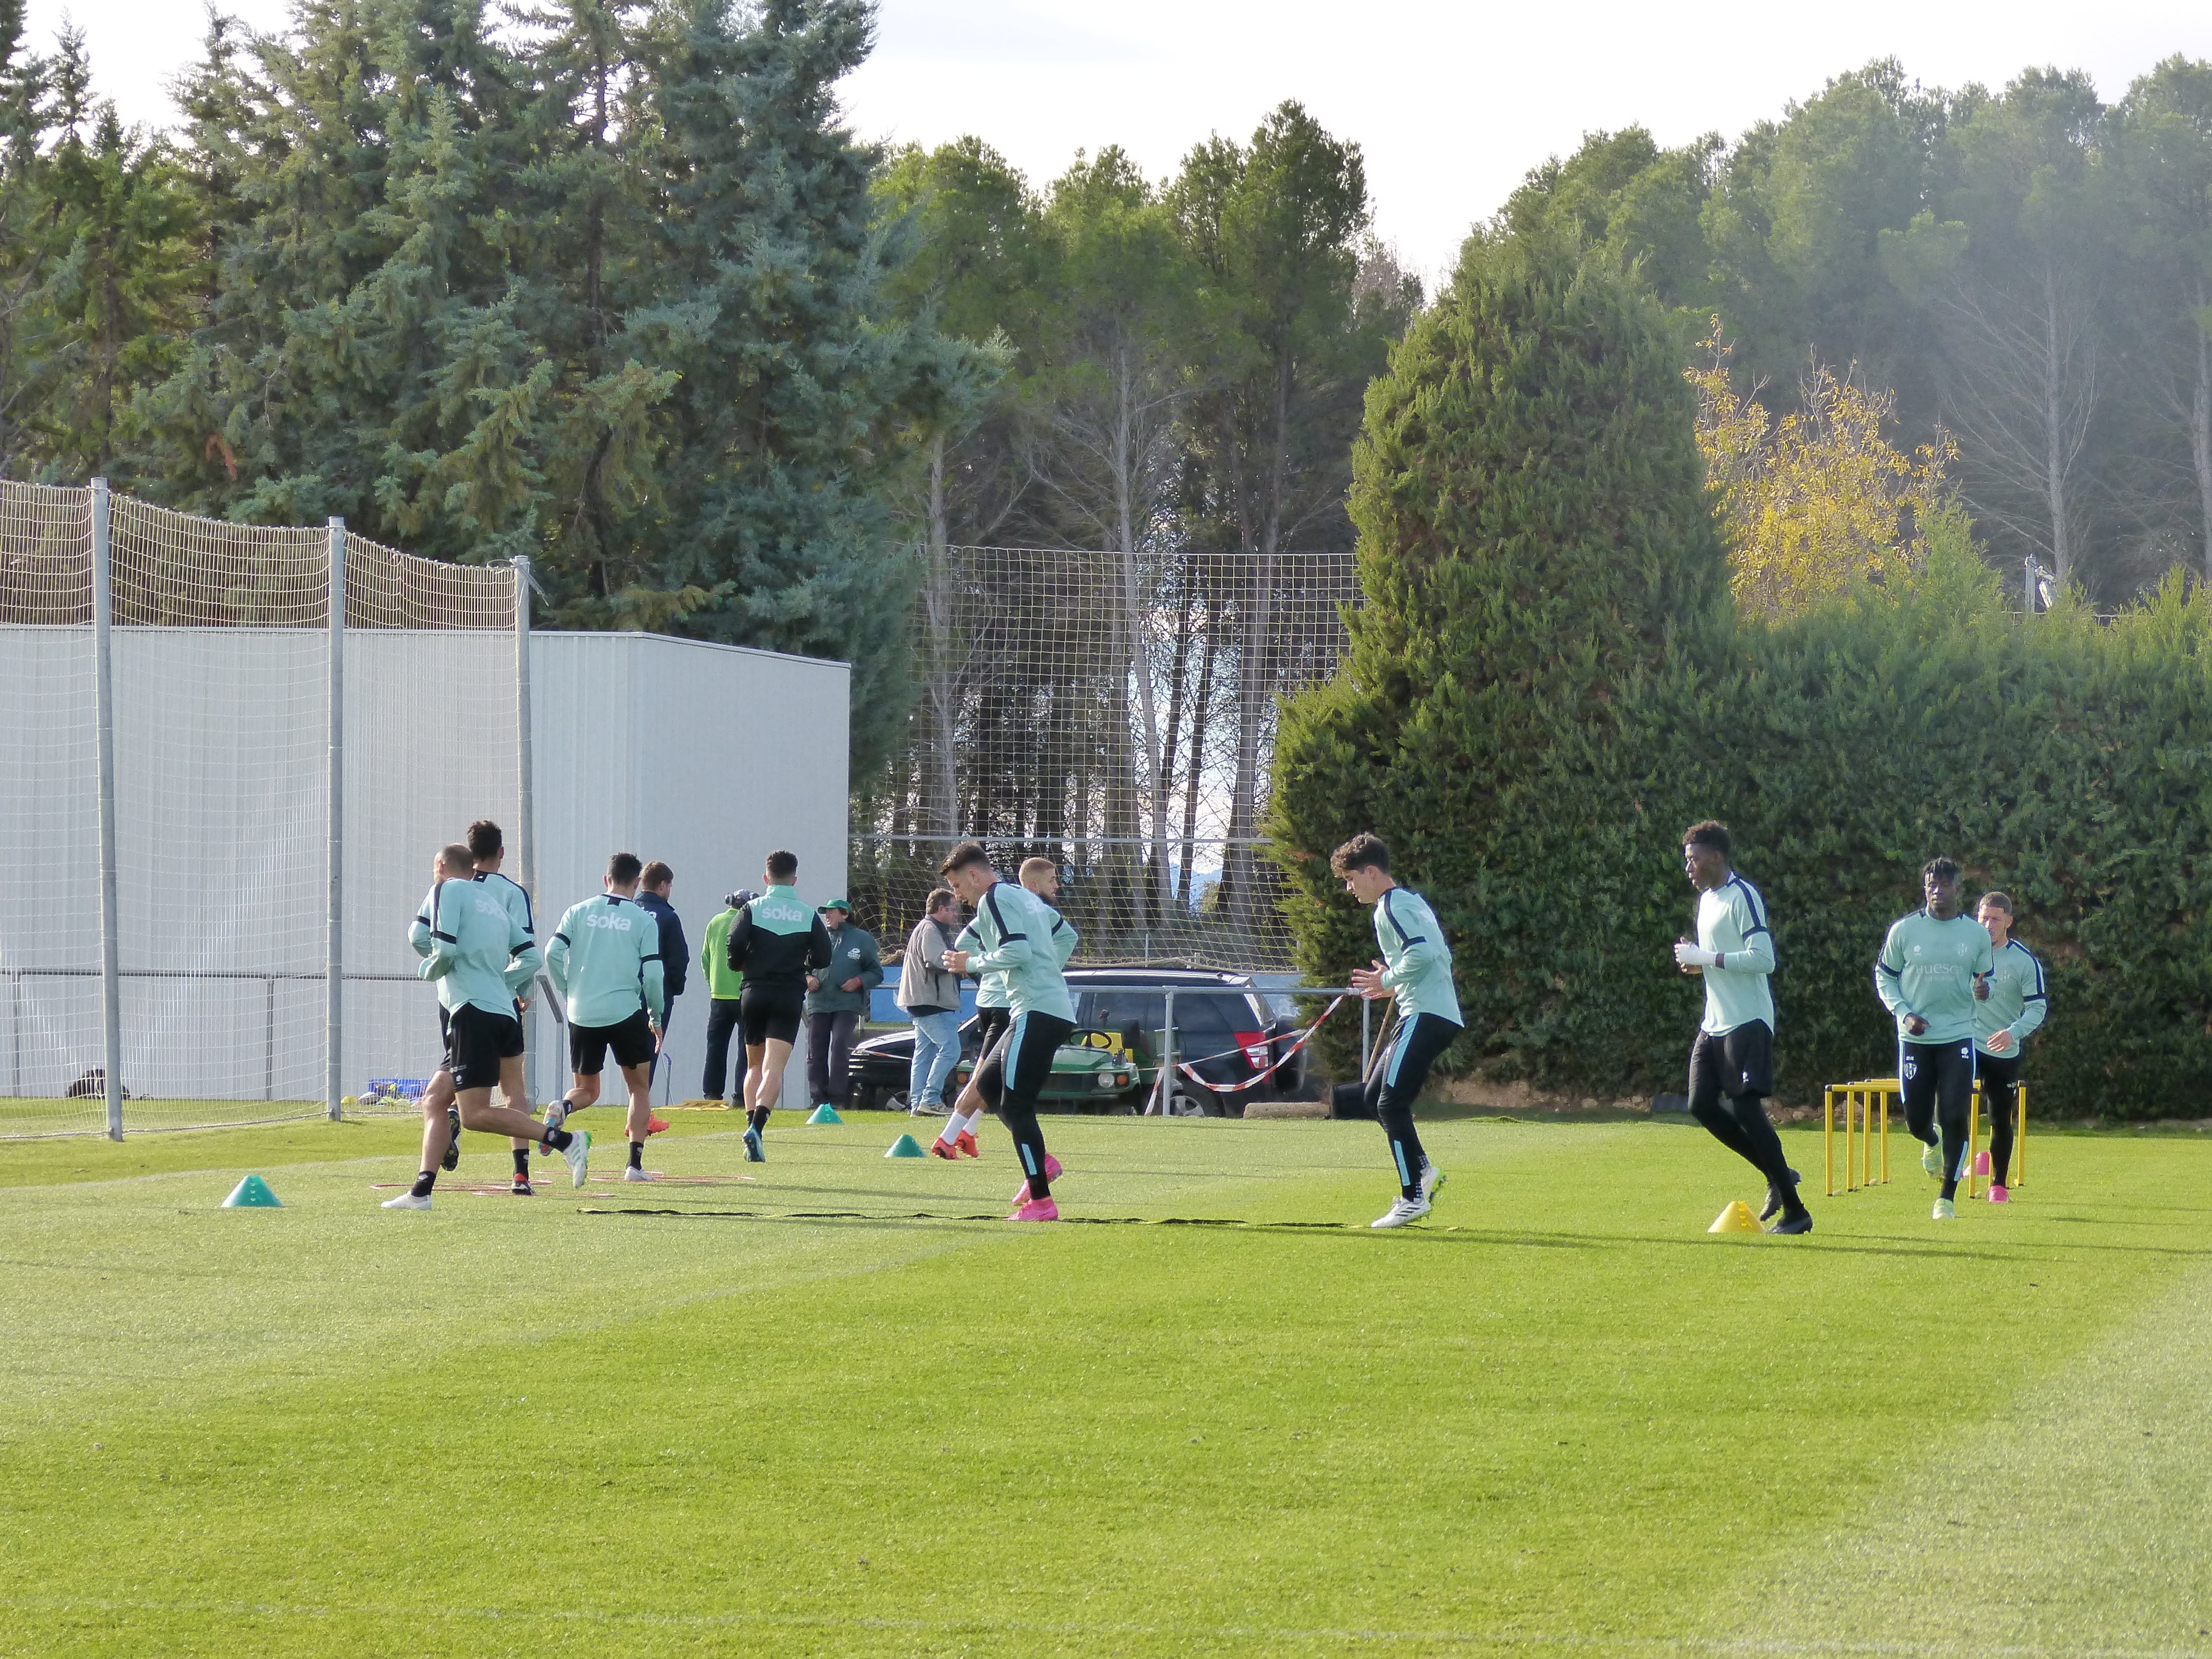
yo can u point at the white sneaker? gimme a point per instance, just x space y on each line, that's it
408 1201
1432 1178
1945 1211
578 1152
1405 1210
631 1172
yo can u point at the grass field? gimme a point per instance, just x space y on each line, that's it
1560 1419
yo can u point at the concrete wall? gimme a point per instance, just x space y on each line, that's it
707 757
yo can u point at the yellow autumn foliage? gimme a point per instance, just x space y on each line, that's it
1820 501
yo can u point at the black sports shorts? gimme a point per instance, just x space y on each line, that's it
477 1040
631 1040
1737 1063
990 1048
771 1014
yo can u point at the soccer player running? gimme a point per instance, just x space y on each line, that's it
490 847
1732 1059
478 957
1014 928
1934 967
987 1082
604 960
775 941
1415 967
2016 1005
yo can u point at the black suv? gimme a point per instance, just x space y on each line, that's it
1224 1030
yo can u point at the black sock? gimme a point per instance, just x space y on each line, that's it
558 1139
423 1182
522 1160
637 1155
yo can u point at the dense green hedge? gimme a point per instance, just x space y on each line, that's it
1547 684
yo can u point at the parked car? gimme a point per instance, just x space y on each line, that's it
1111 1062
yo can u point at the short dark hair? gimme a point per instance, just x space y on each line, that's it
939 899
967 852
1710 832
782 866
2003 901
484 840
623 868
1365 851
1941 866
456 856
656 872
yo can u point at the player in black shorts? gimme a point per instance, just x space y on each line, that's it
774 941
478 956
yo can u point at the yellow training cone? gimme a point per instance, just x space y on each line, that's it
1737 1218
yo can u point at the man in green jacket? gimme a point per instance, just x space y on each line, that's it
837 1000
725 986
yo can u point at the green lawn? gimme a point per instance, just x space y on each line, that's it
1560 1419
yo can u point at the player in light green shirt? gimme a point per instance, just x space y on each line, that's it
1415 970
1934 967
2016 1005
478 956
604 960
1732 1057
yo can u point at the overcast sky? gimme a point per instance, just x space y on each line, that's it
1451 101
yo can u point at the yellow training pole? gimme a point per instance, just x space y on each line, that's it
2019 1140
1884 1139
1973 1134
1828 1138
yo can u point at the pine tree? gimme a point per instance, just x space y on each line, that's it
802 396
1534 533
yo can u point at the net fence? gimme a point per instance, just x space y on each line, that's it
1115 714
222 680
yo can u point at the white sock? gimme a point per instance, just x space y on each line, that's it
953 1126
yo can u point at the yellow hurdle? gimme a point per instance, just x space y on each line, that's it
1866 1103
1863 1103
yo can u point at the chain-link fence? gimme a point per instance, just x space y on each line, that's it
1115 714
216 753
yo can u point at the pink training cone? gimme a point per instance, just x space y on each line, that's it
1981 1164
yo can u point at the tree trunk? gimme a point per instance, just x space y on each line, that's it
2054 460
1253 679
1196 764
2200 430
944 689
1136 660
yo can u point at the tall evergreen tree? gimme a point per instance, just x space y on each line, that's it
1534 532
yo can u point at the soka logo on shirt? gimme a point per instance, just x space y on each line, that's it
608 919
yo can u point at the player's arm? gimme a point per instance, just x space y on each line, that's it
1417 952
1985 964
1012 949
1889 977
818 948
2033 1006
740 942
707 954
1756 954
653 978
1063 938
557 958
523 959
443 956
418 930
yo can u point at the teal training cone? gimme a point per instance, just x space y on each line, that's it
905 1146
825 1113
251 1194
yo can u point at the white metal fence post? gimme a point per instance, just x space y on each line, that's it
525 834
110 962
334 952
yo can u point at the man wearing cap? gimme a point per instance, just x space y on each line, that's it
836 999
725 987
